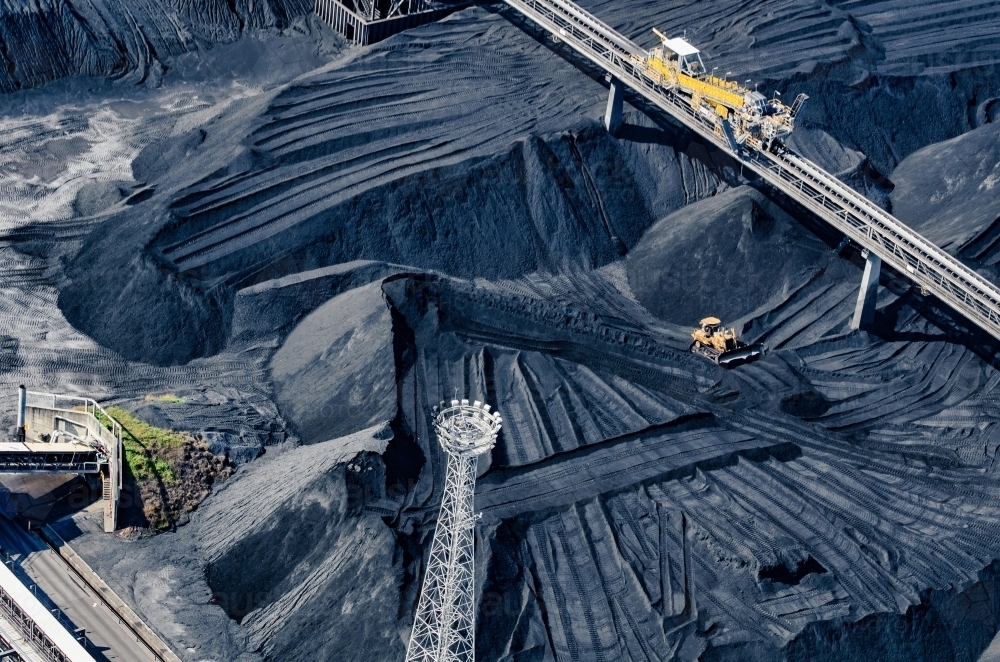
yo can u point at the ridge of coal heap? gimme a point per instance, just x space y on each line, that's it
311 257
51 39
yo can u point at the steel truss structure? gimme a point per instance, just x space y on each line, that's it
372 10
933 270
444 625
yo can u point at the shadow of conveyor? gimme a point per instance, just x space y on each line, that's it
63 499
953 328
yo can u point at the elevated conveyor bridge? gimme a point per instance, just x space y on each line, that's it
70 435
879 233
45 638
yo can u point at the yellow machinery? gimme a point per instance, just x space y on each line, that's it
741 116
720 345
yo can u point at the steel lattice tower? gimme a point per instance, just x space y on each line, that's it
444 626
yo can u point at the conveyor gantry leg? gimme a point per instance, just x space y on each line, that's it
864 311
613 115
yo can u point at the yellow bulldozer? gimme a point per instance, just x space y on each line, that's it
720 345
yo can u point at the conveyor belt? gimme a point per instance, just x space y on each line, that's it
935 271
46 635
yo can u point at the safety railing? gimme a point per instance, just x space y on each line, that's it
47 408
72 403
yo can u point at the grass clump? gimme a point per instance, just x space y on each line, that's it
144 445
169 472
165 397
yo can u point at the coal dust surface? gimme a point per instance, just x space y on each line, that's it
227 220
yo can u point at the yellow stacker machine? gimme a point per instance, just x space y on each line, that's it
741 116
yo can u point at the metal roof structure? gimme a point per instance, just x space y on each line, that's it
53 634
679 46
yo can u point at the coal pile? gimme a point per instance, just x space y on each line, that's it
310 259
48 40
737 243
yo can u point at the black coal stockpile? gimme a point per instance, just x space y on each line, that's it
308 264
50 39
724 256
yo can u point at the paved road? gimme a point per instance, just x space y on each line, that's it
58 585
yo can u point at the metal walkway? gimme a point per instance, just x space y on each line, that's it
67 434
935 271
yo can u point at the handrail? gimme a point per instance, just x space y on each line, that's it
872 228
92 407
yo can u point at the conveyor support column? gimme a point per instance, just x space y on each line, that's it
864 311
22 406
613 115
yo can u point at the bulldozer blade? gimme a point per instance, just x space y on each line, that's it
742 355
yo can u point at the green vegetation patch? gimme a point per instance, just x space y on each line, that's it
165 397
144 446
170 472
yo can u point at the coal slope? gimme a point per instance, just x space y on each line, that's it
950 192
642 503
444 212
129 39
460 165
391 135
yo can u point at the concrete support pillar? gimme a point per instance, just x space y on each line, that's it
22 407
864 311
613 115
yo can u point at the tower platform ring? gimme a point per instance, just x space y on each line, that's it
465 428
